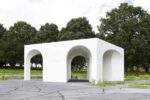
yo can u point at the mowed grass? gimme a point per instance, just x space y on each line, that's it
79 75
107 84
7 73
10 73
140 86
134 77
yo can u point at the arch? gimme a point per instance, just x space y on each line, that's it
27 67
112 66
75 51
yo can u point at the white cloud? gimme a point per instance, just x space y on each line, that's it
38 12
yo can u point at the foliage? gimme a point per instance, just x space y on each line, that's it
47 33
2 32
16 37
78 63
12 41
128 27
78 68
77 28
37 59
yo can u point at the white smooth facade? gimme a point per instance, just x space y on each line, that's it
105 61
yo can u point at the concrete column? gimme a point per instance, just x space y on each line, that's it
27 69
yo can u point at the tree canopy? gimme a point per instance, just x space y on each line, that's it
128 26
76 28
78 63
17 36
2 43
47 33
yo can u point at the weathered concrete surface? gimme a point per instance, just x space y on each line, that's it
104 61
37 90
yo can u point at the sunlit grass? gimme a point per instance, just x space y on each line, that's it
137 77
107 84
79 75
140 86
10 73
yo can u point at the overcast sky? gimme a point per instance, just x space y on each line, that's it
38 12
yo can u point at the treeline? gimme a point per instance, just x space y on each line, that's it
12 41
125 26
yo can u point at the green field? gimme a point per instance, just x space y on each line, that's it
79 75
18 73
136 77
12 73
140 86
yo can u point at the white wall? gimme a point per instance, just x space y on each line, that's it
56 56
107 66
106 62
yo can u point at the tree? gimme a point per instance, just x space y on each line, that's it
47 33
37 59
128 27
2 57
17 36
2 31
77 28
78 63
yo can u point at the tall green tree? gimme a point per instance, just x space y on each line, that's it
128 26
2 31
37 59
78 63
20 34
47 33
2 57
77 28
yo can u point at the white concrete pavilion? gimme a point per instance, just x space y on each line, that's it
105 61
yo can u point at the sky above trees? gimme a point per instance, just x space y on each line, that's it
39 12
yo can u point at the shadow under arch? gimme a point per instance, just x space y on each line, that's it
29 56
112 65
75 51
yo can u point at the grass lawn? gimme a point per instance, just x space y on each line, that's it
7 73
79 75
136 77
140 86
106 84
11 73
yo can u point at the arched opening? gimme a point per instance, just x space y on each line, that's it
79 68
78 64
112 66
33 65
36 67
